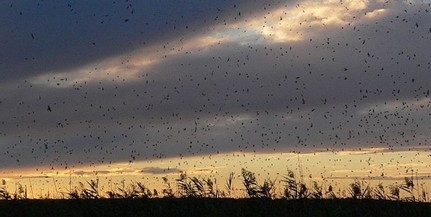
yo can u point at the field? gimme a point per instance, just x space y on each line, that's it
211 207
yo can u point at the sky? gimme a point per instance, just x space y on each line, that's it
92 84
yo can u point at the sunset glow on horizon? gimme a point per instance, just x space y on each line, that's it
339 169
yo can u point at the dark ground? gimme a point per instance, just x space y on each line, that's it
211 207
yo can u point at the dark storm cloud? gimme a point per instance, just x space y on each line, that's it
44 36
343 86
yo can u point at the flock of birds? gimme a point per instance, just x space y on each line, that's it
359 87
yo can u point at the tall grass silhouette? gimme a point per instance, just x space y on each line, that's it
253 189
290 187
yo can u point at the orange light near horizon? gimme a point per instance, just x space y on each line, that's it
337 169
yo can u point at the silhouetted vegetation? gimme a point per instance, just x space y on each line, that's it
293 188
253 189
197 196
196 187
4 194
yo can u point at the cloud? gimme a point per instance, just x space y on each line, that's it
239 87
84 32
22 177
300 22
401 178
160 171
91 173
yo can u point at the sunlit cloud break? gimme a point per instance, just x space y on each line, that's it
289 23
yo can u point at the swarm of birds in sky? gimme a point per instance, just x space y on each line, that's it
89 83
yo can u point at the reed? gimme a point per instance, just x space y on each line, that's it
292 188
